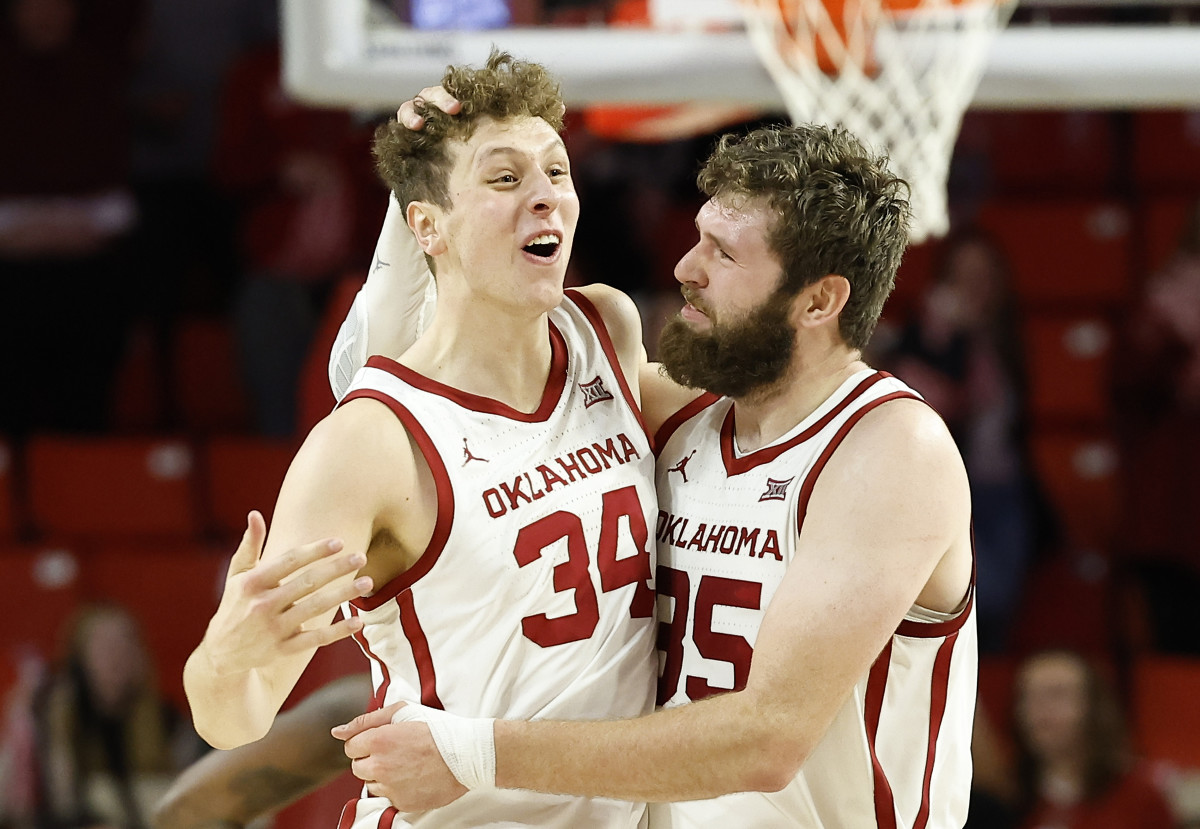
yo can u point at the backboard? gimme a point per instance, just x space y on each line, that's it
358 53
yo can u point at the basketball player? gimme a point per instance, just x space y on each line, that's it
513 580
816 573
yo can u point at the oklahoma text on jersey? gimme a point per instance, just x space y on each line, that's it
575 466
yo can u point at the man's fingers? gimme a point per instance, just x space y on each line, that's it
317 577
324 635
320 603
250 547
364 722
409 117
269 574
409 113
437 96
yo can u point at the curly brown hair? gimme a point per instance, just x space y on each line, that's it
840 211
415 164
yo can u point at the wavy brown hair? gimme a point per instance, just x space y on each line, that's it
839 210
415 164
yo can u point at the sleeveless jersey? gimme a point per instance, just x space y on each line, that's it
898 752
534 599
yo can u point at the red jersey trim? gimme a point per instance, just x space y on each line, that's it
555 383
736 466
588 309
380 693
913 629
348 813
811 481
445 501
672 423
938 691
388 817
410 623
885 801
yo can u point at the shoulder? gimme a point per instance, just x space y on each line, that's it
621 319
905 431
358 446
901 458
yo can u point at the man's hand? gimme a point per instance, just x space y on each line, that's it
410 116
399 761
279 607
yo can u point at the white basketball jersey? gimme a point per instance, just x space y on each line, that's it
534 599
898 752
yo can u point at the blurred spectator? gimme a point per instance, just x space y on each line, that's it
66 207
186 244
309 210
108 745
1074 769
1158 398
962 353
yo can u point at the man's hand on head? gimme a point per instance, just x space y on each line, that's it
409 116
436 96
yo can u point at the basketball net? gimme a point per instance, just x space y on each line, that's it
899 74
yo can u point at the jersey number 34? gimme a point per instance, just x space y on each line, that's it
573 574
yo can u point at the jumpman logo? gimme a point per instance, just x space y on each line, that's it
776 490
469 456
681 467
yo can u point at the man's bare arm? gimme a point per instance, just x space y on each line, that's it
353 471
229 789
872 541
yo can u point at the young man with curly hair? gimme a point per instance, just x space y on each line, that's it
490 488
815 570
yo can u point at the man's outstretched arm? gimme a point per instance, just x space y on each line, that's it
229 789
398 299
392 307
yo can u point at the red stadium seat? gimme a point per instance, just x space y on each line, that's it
1166 718
172 590
996 676
1161 223
208 389
1067 603
912 280
41 589
1069 360
8 493
128 487
1043 152
241 474
1065 254
315 399
138 400
1079 472
1166 150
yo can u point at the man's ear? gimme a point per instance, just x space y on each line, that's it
426 221
821 301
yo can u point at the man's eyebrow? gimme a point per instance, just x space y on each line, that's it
708 234
487 153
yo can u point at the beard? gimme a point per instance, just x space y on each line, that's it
733 359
